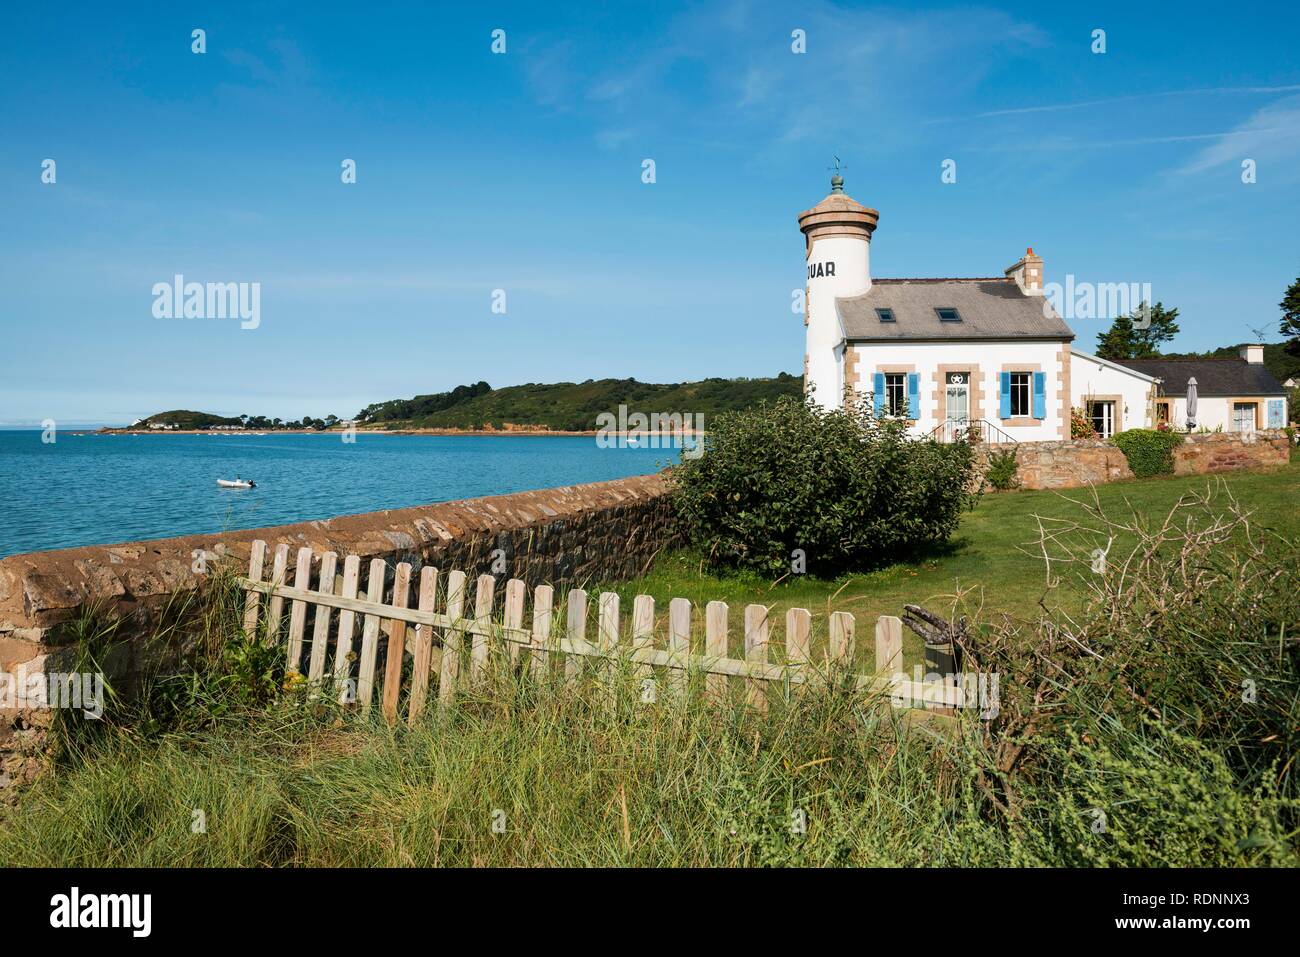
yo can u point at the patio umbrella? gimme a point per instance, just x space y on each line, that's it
1191 403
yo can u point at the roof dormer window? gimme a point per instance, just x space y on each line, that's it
886 315
947 314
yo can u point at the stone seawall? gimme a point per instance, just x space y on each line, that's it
1095 461
604 531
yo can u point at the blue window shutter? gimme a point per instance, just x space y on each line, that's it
878 383
1276 413
1005 409
913 396
1040 395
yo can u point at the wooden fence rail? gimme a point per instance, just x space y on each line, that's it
442 639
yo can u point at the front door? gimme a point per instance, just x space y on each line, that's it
1243 416
957 403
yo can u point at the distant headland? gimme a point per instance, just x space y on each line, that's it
561 408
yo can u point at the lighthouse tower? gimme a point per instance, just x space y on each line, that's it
838 235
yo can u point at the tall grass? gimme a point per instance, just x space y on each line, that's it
1123 739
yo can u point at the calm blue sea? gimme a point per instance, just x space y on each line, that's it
87 489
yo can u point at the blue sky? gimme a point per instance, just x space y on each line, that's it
522 172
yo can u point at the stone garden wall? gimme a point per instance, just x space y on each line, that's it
1094 461
605 531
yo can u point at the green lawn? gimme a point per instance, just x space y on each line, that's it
993 562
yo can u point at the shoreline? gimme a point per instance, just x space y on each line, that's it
591 433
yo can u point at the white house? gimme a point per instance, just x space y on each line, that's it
1234 395
990 353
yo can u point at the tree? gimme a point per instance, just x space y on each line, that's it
1290 325
1139 334
1117 341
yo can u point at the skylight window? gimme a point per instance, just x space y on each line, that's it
886 315
947 314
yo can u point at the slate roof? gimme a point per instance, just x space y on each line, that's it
1225 377
994 308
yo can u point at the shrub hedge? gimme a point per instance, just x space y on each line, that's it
843 488
1149 451
1001 473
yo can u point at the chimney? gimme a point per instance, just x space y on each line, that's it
1252 352
1028 273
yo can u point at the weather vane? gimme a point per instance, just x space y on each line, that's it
837 180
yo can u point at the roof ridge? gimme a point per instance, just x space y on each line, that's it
1188 359
948 279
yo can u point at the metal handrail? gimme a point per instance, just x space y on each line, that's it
989 432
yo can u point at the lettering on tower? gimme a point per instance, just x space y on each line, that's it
821 270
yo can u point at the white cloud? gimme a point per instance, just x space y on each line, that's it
1271 136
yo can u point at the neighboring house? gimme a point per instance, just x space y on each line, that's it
1235 395
946 354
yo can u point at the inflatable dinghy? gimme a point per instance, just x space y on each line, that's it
236 483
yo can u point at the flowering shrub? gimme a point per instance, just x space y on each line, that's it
1081 425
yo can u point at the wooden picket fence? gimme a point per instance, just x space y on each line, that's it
438 642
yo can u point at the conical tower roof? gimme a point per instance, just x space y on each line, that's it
839 214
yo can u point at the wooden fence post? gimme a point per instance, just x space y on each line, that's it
798 626
423 652
607 632
320 632
513 615
543 608
715 648
481 645
275 607
679 645
394 658
450 669
841 648
253 600
370 635
347 624
889 645
575 604
298 612
756 650
643 631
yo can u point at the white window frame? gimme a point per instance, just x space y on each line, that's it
893 408
1102 404
1028 392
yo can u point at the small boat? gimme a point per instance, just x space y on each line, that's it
236 482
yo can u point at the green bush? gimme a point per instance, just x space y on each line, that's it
1149 452
1001 473
842 487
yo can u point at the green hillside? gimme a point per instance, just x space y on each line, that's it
186 419
570 406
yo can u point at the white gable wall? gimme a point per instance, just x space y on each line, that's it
1092 378
985 360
